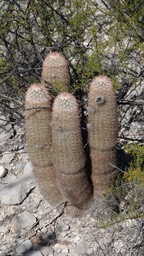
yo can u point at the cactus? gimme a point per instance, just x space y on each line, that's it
54 136
39 142
55 72
68 153
102 133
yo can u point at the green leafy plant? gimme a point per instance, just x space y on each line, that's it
128 190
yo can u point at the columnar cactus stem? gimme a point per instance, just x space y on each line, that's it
68 153
39 140
102 132
55 72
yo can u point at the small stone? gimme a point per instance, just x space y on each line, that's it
4 136
3 248
63 234
17 190
3 171
26 220
8 127
57 248
63 227
44 230
90 251
13 195
20 165
28 168
2 253
118 245
45 250
65 250
36 239
76 239
26 202
7 158
9 178
34 253
62 254
15 225
60 248
4 230
24 247
80 248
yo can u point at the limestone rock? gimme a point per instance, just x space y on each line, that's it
15 225
15 193
34 253
7 157
24 246
45 250
3 171
2 253
80 248
17 189
26 220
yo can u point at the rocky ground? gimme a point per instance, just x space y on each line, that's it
30 226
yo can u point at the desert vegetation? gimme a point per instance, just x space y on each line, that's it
96 38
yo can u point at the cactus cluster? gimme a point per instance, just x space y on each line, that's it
54 140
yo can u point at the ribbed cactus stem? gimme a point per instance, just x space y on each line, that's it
39 140
68 153
55 72
102 132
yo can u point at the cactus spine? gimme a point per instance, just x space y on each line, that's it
68 153
102 132
39 142
55 72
